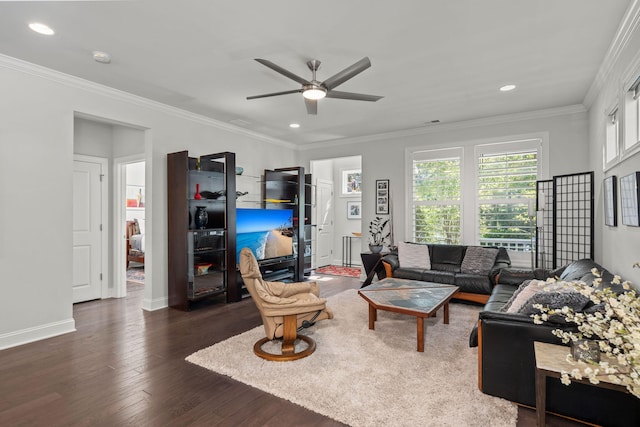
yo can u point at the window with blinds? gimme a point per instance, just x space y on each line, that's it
506 185
436 200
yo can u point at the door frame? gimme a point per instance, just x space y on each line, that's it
317 217
104 212
119 213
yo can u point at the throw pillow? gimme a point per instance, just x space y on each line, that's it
524 293
412 255
478 260
508 304
555 296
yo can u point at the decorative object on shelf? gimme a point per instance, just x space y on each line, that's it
382 196
354 210
239 170
202 269
277 201
202 218
378 234
197 196
212 194
585 350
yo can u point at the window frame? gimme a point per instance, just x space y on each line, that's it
508 147
433 155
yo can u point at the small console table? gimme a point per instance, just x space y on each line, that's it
550 362
347 243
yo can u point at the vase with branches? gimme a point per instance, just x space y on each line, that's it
378 233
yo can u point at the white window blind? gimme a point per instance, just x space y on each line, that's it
632 116
612 137
506 192
436 200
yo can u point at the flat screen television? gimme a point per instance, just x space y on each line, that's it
629 195
267 232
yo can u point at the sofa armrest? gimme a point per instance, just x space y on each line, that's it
515 276
392 260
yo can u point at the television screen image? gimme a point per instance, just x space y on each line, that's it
267 232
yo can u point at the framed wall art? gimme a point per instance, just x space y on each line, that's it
382 197
354 210
629 199
351 183
610 192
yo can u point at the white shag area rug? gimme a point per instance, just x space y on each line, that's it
365 377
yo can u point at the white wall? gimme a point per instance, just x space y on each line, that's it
383 157
36 159
617 248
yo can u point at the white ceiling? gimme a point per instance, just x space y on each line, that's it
431 59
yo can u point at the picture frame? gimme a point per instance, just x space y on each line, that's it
351 182
354 210
610 195
382 196
629 199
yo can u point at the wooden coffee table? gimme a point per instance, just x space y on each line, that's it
412 297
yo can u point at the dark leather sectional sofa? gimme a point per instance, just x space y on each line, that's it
506 361
446 261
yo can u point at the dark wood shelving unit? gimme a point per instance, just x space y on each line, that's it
191 249
292 184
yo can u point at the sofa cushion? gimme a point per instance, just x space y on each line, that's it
473 283
412 255
452 268
445 277
447 254
478 260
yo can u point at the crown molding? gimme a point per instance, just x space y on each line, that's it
99 89
464 124
626 30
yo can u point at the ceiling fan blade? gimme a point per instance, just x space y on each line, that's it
312 106
347 73
282 71
266 95
355 96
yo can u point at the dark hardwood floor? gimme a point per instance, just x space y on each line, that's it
125 366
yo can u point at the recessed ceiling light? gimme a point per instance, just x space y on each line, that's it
41 28
507 88
294 125
102 57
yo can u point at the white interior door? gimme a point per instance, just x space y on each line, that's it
87 234
324 216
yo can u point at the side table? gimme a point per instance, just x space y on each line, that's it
347 242
550 362
372 265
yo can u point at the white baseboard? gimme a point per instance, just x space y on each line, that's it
37 333
155 304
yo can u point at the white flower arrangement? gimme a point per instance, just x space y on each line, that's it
615 324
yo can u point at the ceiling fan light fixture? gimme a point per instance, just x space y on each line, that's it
314 92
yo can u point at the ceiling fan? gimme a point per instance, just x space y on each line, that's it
313 90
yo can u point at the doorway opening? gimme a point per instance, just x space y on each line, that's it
134 217
337 212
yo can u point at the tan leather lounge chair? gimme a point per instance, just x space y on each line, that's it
285 308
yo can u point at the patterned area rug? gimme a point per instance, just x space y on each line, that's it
335 270
135 274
